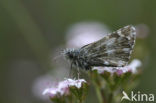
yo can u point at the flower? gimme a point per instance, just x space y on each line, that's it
142 31
83 33
63 87
132 67
40 83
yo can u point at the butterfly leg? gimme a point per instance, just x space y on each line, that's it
71 67
78 73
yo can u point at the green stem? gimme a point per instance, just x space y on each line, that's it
97 88
110 98
98 92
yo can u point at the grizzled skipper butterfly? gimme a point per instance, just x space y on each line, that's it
113 50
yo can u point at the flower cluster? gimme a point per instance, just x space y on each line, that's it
63 87
111 81
132 67
66 90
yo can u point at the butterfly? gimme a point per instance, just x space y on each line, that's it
113 50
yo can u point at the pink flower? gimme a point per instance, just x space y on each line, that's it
63 87
142 31
132 67
83 33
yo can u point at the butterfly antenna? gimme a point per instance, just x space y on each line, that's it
78 73
58 56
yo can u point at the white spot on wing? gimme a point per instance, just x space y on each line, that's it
126 26
126 49
110 41
106 62
128 37
119 33
121 63
133 28
110 51
107 42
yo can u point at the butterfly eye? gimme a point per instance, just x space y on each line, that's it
71 56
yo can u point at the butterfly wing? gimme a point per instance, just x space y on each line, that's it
112 50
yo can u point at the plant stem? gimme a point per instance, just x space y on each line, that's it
97 88
98 92
110 98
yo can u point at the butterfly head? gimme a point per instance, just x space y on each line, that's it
70 53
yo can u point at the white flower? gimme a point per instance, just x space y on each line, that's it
134 65
63 87
120 70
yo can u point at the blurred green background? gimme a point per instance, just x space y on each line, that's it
31 29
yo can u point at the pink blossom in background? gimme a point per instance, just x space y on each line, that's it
142 31
40 84
48 80
84 33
